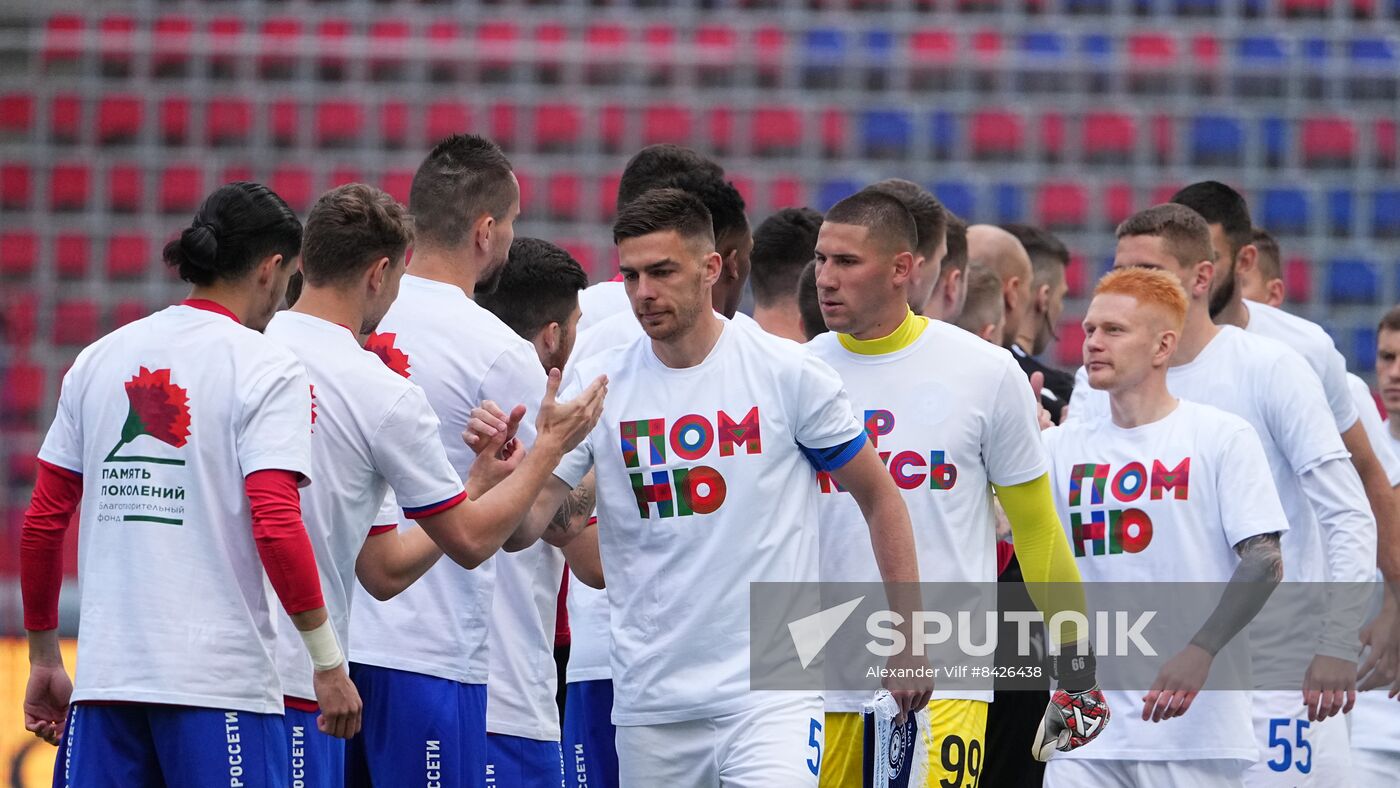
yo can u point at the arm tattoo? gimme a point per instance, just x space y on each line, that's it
577 504
1259 572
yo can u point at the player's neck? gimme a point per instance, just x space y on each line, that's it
230 296
332 306
449 267
692 347
892 318
780 319
1145 403
1195 335
1234 314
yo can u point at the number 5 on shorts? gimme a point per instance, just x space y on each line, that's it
815 765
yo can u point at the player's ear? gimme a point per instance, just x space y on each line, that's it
481 231
1201 278
904 263
378 272
1247 259
714 266
267 270
1276 292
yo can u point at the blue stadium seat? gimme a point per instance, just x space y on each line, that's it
943 131
956 196
1286 211
824 53
1216 140
1261 51
879 46
1010 201
1088 6
1316 50
1353 280
885 133
1275 133
1340 203
1385 214
1363 347
1197 7
1097 47
1369 52
1044 44
835 190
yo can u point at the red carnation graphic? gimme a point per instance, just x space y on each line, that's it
158 408
382 345
313 407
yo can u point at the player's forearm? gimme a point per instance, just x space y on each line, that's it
1256 576
1051 575
282 543
57 492
44 648
585 558
1349 533
473 531
390 562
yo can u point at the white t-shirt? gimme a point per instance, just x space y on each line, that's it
1311 342
601 301
164 418
589 638
950 415
370 430
724 497
524 679
1191 485
460 354
1273 389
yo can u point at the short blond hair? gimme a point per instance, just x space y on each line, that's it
1149 286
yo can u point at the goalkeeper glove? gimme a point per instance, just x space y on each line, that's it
1077 712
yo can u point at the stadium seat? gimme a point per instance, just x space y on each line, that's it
16 115
776 130
1297 280
666 123
564 196
769 53
659 54
445 118
339 176
1216 141
1375 69
295 185
1062 205
228 121
1076 277
334 48
21 322
1118 203
1385 213
786 191
16 185
127 311
885 133
1052 136
128 254
338 123
1009 201
389 41
226 46
1043 56
115 45
834 136
1353 281
72 253
605 48
1069 349
1152 58
1261 63
19 252
830 192
498 49
22 394
444 47
126 188
943 134
957 196
284 122
582 252
612 127
824 53
172 41
503 124
63 40
997 135
558 126
181 189
1363 348
1339 212
877 59
279 40
397 183
719 129
68 187
607 195
393 124
65 118
1108 137
1286 211
173 117
1328 141
932 58
716 53
1275 133
75 322
1387 142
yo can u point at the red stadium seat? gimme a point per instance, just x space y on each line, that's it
126 188
558 126
63 39
71 254
279 41
115 44
1151 58
16 115
1387 145
666 123
338 123
1069 350
605 52
548 48
21 317
612 127
1076 276
769 52
19 251
527 187
582 251
498 48
1297 280
1108 137
339 176
128 254
716 53
119 118
75 322
445 118
1328 141
393 124
1163 138
607 194
174 120
22 393
293 184
997 135
128 311
68 187
66 117
564 196
785 192
397 183
235 172
181 188
932 47
21 467
1052 136
719 125
333 44
503 124
1062 206
171 45
1118 203
834 131
15 185
444 42
228 121
776 130
389 41
659 49
1163 193
226 45
284 121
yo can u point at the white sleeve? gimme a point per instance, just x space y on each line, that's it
408 453
1334 383
516 378
1375 429
1249 502
574 465
1011 445
388 514
274 431
1297 413
1349 533
63 445
822 417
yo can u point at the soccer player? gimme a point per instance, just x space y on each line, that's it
537 296
782 246
984 310
1224 514
1264 282
809 303
710 429
1273 389
955 418
999 250
1049 258
185 436
950 291
373 430
652 167
931 228
421 659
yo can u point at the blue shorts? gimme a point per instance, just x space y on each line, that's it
417 730
317 759
590 747
523 763
151 745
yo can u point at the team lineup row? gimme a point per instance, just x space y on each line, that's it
399 410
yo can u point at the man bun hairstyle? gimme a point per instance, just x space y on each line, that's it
237 225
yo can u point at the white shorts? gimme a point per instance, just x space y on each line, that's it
1294 752
1374 768
775 744
1081 772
